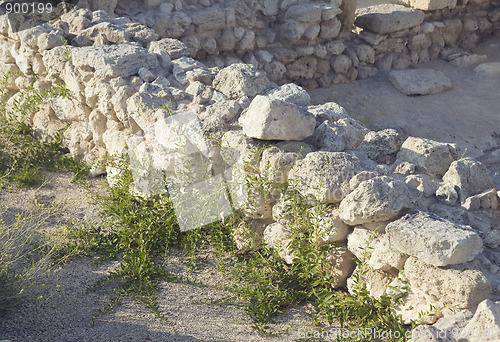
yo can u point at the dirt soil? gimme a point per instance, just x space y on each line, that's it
468 114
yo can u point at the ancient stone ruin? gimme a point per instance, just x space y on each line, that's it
242 67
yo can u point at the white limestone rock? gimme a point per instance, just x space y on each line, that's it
278 237
240 80
343 134
434 240
419 81
378 199
459 287
324 176
124 59
469 176
381 143
290 92
432 156
273 119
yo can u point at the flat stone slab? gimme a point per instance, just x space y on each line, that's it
124 59
488 70
419 81
434 240
387 18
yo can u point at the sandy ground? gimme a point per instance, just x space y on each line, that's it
64 313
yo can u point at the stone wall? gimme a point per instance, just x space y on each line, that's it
302 42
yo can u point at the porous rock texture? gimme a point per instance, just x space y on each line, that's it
129 68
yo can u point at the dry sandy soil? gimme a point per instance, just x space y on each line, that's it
468 114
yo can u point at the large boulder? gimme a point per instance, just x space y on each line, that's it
469 176
124 59
388 18
375 200
274 119
324 176
431 156
241 80
434 240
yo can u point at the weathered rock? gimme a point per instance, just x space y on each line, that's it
290 92
487 70
360 178
460 287
378 199
425 184
239 80
388 18
339 135
469 176
278 237
124 59
485 200
485 324
144 109
277 161
385 257
324 176
360 242
172 48
447 193
249 233
382 143
434 240
330 111
273 119
419 81
433 156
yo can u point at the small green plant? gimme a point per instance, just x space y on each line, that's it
67 50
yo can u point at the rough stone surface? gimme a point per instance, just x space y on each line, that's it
124 59
324 176
268 118
485 324
375 200
469 176
388 18
381 143
278 237
434 240
239 80
343 134
433 156
419 81
460 287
